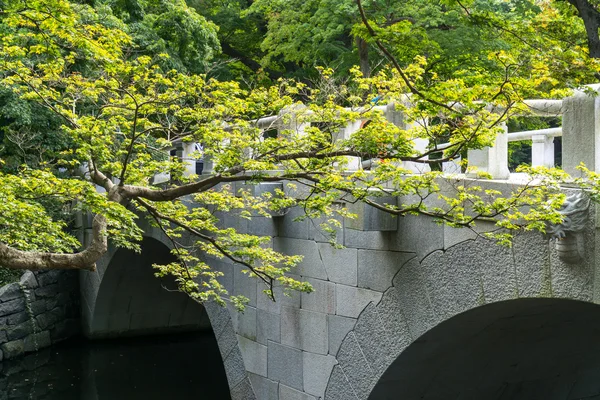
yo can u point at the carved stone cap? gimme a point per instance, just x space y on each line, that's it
569 240
575 211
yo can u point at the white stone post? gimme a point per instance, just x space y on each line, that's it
161 178
397 118
209 165
187 149
184 149
354 163
452 167
393 115
293 124
493 160
421 146
581 131
542 151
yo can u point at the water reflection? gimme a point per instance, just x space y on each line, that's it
163 367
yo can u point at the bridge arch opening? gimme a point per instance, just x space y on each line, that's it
523 349
132 301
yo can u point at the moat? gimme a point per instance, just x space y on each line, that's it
158 367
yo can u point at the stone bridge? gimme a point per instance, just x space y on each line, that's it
407 310
413 307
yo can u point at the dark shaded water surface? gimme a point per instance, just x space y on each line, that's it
177 367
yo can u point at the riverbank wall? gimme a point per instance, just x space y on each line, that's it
39 310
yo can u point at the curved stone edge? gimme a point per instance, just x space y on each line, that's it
90 281
237 376
220 319
443 285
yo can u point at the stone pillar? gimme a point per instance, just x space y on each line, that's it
581 131
452 167
354 163
184 149
209 165
493 160
581 144
542 151
397 118
290 117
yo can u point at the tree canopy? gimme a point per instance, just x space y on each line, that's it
95 95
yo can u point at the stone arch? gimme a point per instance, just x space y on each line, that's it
518 349
90 282
96 297
441 285
131 301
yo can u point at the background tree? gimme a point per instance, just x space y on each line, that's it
331 33
166 27
589 12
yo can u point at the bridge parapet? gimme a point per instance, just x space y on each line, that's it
578 114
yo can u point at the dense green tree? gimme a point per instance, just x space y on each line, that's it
240 35
166 27
331 33
283 38
589 12
30 133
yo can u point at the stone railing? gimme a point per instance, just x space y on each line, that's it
494 160
579 114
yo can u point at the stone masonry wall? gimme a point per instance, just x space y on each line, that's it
371 300
40 309
289 347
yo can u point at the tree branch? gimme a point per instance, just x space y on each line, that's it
86 259
268 280
395 62
131 192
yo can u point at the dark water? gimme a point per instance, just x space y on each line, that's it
149 368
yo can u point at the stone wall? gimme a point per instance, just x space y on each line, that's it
391 283
40 309
289 347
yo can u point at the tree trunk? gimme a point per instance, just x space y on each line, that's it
363 55
247 61
591 19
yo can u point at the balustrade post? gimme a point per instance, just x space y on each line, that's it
354 163
452 166
542 151
293 124
397 118
493 160
209 165
581 131
184 149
